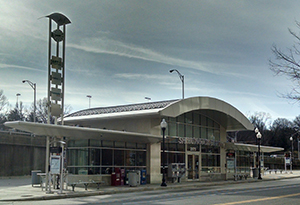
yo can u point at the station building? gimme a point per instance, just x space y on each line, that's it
101 140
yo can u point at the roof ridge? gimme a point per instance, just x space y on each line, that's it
121 108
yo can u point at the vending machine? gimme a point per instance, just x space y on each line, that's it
116 177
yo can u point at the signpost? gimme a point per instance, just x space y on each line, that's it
56 88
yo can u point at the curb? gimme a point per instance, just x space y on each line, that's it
137 189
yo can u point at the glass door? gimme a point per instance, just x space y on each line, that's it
193 166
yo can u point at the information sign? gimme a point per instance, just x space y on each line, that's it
56 62
55 165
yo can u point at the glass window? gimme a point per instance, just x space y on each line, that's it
119 157
203 120
71 143
107 143
95 143
203 133
181 147
79 143
172 146
107 157
204 160
217 135
172 129
196 132
140 158
94 157
210 134
141 145
189 118
181 130
131 145
210 122
189 130
82 156
120 144
216 125
130 158
180 118
196 119
172 119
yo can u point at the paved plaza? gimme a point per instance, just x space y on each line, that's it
21 189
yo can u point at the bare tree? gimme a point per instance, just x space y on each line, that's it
288 64
42 111
3 100
260 120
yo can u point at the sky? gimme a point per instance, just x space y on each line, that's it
120 52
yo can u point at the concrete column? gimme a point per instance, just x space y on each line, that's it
222 151
153 163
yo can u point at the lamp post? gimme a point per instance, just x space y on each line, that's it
89 96
33 86
181 78
163 126
291 155
258 136
18 94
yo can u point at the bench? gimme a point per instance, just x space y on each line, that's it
275 171
74 180
240 176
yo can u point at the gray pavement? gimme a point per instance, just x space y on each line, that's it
20 188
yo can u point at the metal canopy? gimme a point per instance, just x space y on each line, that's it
59 18
252 148
223 113
72 132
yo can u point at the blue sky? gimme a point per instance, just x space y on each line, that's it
120 52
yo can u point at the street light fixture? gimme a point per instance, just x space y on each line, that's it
18 94
181 78
291 155
33 86
258 136
89 96
163 126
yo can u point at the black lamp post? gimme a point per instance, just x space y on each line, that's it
89 96
163 126
33 86
181 78
258 136
291 157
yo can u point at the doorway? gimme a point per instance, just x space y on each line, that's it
193 166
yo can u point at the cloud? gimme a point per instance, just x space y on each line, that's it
113 47
2 65
134 76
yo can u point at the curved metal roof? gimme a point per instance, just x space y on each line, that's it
223 113
121 108
226 115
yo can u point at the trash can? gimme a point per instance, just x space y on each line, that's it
35 179
134 178
143 177
255 172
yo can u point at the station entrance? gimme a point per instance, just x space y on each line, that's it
193 166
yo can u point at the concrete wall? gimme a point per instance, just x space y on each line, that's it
20 153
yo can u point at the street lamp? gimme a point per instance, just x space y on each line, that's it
181 78
89 96
291 155
18 94
163 126
258 136
33 86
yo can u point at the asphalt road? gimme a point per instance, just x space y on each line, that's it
279 192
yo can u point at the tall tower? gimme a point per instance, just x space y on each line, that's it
56 81
56 65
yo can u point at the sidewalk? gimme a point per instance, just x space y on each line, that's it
20 188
